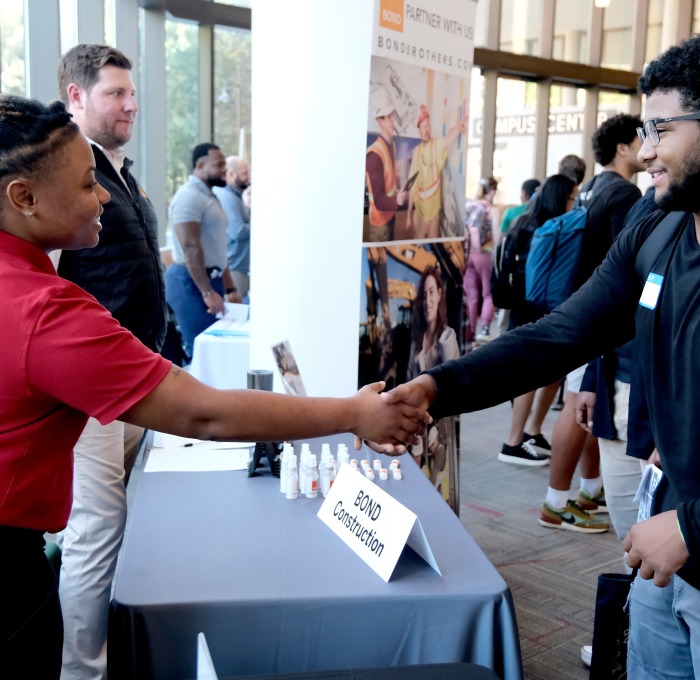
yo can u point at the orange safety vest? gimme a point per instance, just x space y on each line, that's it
378 218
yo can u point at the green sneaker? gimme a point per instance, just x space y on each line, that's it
592 504
572 517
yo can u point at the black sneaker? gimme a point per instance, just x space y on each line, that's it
523 454
539 443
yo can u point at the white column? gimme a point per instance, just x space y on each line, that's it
42 48
309 96
90 19
152 114
126 39
206 82
82 21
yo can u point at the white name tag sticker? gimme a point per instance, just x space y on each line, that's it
375 526
652 288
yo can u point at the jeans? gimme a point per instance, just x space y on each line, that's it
186 300
664 640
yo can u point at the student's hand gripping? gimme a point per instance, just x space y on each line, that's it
378 419
656 547
417 394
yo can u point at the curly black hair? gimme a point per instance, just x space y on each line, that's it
620 129
678 68
31 133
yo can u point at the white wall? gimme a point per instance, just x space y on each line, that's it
310 70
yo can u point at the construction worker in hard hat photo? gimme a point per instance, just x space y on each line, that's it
380 167
427 161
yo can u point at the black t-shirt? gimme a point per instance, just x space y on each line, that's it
609 198
671 371
598 318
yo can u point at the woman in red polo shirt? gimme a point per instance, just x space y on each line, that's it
64 357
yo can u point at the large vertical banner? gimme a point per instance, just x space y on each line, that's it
411 313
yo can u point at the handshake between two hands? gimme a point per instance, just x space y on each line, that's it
388 422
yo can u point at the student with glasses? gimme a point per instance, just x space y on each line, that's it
664 635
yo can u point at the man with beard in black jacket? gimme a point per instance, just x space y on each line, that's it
124 273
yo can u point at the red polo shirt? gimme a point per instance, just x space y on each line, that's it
62 357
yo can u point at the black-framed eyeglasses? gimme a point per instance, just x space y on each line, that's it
649 130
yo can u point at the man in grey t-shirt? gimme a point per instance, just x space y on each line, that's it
199 278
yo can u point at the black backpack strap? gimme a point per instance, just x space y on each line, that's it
656 243
612 181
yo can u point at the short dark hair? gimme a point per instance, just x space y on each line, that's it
202 150
529 187
31 133
574 167
620 129
678 68
82 63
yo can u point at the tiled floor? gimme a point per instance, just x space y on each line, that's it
552 573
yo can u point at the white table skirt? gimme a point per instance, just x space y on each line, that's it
221 362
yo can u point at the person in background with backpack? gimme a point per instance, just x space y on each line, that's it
481 218
528 188
555 197
609 196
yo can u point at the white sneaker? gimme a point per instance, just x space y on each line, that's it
483 336
586 653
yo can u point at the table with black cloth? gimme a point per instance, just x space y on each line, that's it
276 591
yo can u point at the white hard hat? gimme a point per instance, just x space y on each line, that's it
381 103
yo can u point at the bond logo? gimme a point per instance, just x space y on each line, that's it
391 14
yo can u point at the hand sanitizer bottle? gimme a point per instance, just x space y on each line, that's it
292 476
312 479
286 456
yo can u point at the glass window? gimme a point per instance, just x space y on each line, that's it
182 100
571 31
617 35
475 132
565 132
521 25
239 3
514 150
610 104
654 20
232 118
482 14
111 22
12 74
